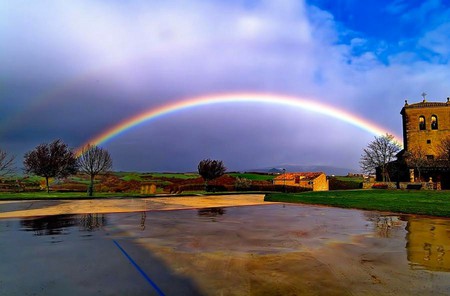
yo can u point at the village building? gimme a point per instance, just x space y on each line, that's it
316 181
426 125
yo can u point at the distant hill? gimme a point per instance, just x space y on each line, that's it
329 170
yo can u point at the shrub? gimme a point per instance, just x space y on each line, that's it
337 184
380 186
242 183
414 186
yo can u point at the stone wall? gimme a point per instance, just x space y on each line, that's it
402 185
321 183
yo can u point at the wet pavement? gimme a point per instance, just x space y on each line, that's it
263 249
31 208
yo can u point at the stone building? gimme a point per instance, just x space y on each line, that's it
317 181
425 126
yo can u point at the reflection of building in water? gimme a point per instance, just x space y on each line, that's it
428 243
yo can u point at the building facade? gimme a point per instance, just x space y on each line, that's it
316 181
426 125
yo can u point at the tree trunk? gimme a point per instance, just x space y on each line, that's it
91 186
46 183
383 173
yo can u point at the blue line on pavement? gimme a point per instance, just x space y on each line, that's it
140 270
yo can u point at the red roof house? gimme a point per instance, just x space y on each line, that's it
317 181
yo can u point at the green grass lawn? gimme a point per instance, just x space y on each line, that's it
175 175
349 179
256 177
132 177
433 203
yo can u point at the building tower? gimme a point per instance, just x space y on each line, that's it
425 126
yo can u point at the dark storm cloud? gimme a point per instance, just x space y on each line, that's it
70 70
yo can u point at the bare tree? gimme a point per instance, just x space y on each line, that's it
444 149
54 160
6 163
417 159
93 161
378 154
211 169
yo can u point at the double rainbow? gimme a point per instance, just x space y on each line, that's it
283 100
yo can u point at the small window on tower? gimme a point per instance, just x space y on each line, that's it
428 141
434 122
422 123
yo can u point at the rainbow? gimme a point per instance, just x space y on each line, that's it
283 100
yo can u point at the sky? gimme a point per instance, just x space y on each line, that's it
71 70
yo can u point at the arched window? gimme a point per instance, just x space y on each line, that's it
434 122
422 124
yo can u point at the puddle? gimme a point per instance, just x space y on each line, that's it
428 244
254 250
58 224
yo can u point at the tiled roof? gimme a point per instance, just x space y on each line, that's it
426 104
306 176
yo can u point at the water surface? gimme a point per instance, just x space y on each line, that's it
274 249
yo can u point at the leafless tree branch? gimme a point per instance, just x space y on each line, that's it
93 161
6 163
379 153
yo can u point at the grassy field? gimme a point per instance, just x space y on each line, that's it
433 203
183 176
349 179
252 176
127 176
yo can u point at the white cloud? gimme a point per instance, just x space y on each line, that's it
148 52
438 41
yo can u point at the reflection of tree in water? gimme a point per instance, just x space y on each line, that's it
383 224
91 222
211 212
58 224
143 218
49 225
